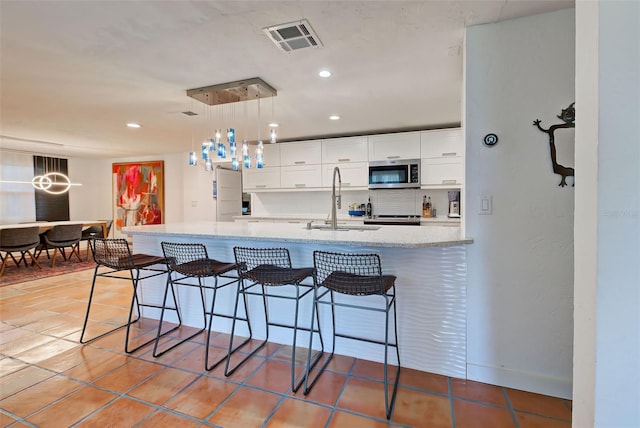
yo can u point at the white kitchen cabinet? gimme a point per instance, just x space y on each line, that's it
301 177
301 153
404 145
344 150
441 143
270 155
442 172
353 175
260 179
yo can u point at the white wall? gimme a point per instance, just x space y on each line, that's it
93 200
520 266
607 362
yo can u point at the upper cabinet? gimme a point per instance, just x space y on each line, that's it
301 153
442 152
344 150
261 179
441 143
404 145
270 155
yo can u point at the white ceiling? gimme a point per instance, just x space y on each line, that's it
73 73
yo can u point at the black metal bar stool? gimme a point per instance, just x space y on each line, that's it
356 275
271 267
113 256
186 262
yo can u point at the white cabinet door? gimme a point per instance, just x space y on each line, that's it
343 150
301 177
441 143
354 174
257 179
270 155
404 145
301 153
442 172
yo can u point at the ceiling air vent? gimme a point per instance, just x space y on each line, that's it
293 36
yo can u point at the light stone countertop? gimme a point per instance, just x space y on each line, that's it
385 236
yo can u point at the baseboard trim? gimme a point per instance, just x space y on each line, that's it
546 385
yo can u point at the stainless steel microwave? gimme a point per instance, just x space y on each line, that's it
394 174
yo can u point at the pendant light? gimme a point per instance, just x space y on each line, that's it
273 125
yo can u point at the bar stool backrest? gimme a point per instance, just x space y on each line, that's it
113 253
178 254
250 258
356 274
19 238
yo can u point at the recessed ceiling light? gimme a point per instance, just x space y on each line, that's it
334 117
324 73
133 125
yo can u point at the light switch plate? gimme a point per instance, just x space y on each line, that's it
486 205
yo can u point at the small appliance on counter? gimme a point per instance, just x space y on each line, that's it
356 210
454 204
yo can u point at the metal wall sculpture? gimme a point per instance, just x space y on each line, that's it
568 117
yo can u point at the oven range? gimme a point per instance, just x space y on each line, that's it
398 220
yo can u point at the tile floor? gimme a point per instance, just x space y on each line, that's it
49 380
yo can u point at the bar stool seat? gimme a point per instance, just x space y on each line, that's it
262 268
113 256
190 262
355 275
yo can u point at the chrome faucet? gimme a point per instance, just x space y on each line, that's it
336 201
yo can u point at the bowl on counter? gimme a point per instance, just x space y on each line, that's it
356 213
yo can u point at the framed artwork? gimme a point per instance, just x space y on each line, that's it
138 194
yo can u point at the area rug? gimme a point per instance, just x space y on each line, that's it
15 275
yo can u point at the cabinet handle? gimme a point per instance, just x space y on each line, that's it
393 157
261 185
300 185
449 154
295 222
300 162
449 181
253 221
345 184
344 160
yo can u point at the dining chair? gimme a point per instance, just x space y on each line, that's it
64 236
19 240
95 232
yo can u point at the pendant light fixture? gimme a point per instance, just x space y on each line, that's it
231 93
273 125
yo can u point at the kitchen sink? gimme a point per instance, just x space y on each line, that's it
343 227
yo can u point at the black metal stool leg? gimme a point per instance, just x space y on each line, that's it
212 366
86 317
169 285
231 350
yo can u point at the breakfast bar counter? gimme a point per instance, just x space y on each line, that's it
428 261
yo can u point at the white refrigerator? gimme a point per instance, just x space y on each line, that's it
227 192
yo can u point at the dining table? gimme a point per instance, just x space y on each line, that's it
46 225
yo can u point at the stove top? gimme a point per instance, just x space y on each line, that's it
402 220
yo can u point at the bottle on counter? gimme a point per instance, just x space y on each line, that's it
426 211
424 206
369 208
